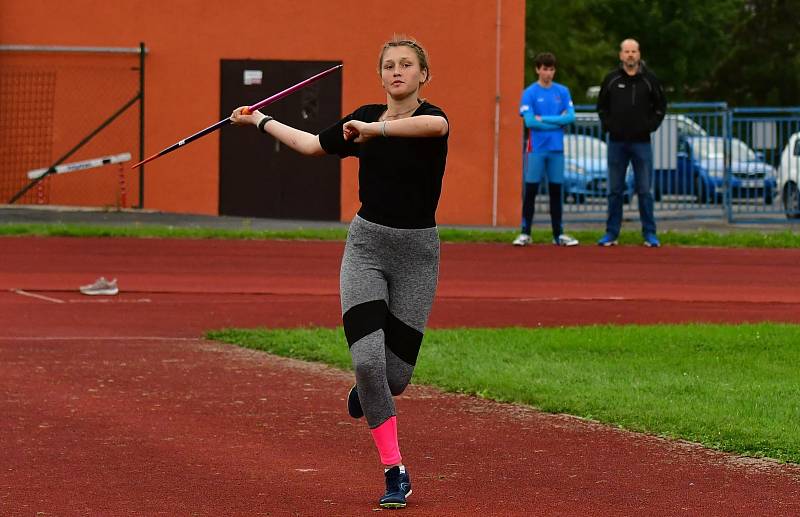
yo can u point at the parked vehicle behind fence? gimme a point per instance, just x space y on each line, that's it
789 177
701 167
586 169
586 162
697 174
588 123
706 156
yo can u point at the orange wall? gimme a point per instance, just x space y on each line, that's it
186 40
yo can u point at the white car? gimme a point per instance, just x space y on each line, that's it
789 177
588 122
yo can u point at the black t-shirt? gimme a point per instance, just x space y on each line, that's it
399 179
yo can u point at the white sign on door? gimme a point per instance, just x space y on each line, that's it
253 77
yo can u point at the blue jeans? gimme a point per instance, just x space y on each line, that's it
640 155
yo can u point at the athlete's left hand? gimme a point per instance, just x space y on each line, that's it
357 131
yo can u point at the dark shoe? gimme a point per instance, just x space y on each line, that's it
353 404
398 487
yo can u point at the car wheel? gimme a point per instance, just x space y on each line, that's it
791 201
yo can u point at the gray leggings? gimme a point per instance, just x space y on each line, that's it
388 281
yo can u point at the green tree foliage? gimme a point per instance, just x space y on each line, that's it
762 67
746 52
681 40
584 52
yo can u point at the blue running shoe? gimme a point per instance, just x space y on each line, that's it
398 487
651 241
607 240
354 404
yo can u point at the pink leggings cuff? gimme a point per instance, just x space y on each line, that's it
385 437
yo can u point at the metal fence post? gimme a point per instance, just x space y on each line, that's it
141 123
727 180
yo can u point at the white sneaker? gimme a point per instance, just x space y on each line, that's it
522 240
565 240
101 286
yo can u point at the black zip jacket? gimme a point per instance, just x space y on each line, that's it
631 107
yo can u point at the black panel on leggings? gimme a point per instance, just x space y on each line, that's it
403 340
364 319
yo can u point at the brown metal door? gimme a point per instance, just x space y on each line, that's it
258 176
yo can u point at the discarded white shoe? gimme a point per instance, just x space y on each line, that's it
101 286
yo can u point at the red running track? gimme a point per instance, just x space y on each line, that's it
114 406
182 287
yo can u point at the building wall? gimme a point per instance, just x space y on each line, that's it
186 40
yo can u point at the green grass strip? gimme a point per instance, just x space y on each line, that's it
738 238
735 388
167 232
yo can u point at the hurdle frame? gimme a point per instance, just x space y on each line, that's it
142 51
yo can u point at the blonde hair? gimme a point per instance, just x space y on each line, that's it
401 40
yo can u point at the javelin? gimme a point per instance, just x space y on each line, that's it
260 104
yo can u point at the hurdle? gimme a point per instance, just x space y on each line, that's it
79 166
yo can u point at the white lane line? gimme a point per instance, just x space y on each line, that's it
575 299
100 338
22 292
39 296
111 300
503 298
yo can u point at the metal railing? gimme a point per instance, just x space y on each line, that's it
709 160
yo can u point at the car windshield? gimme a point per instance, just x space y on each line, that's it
584 146
714 149
687 126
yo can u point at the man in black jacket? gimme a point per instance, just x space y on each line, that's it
631 105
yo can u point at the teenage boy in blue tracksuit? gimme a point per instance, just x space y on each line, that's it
546 107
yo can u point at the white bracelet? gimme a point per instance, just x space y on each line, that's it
383 129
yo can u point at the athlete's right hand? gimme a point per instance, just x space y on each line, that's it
242 117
